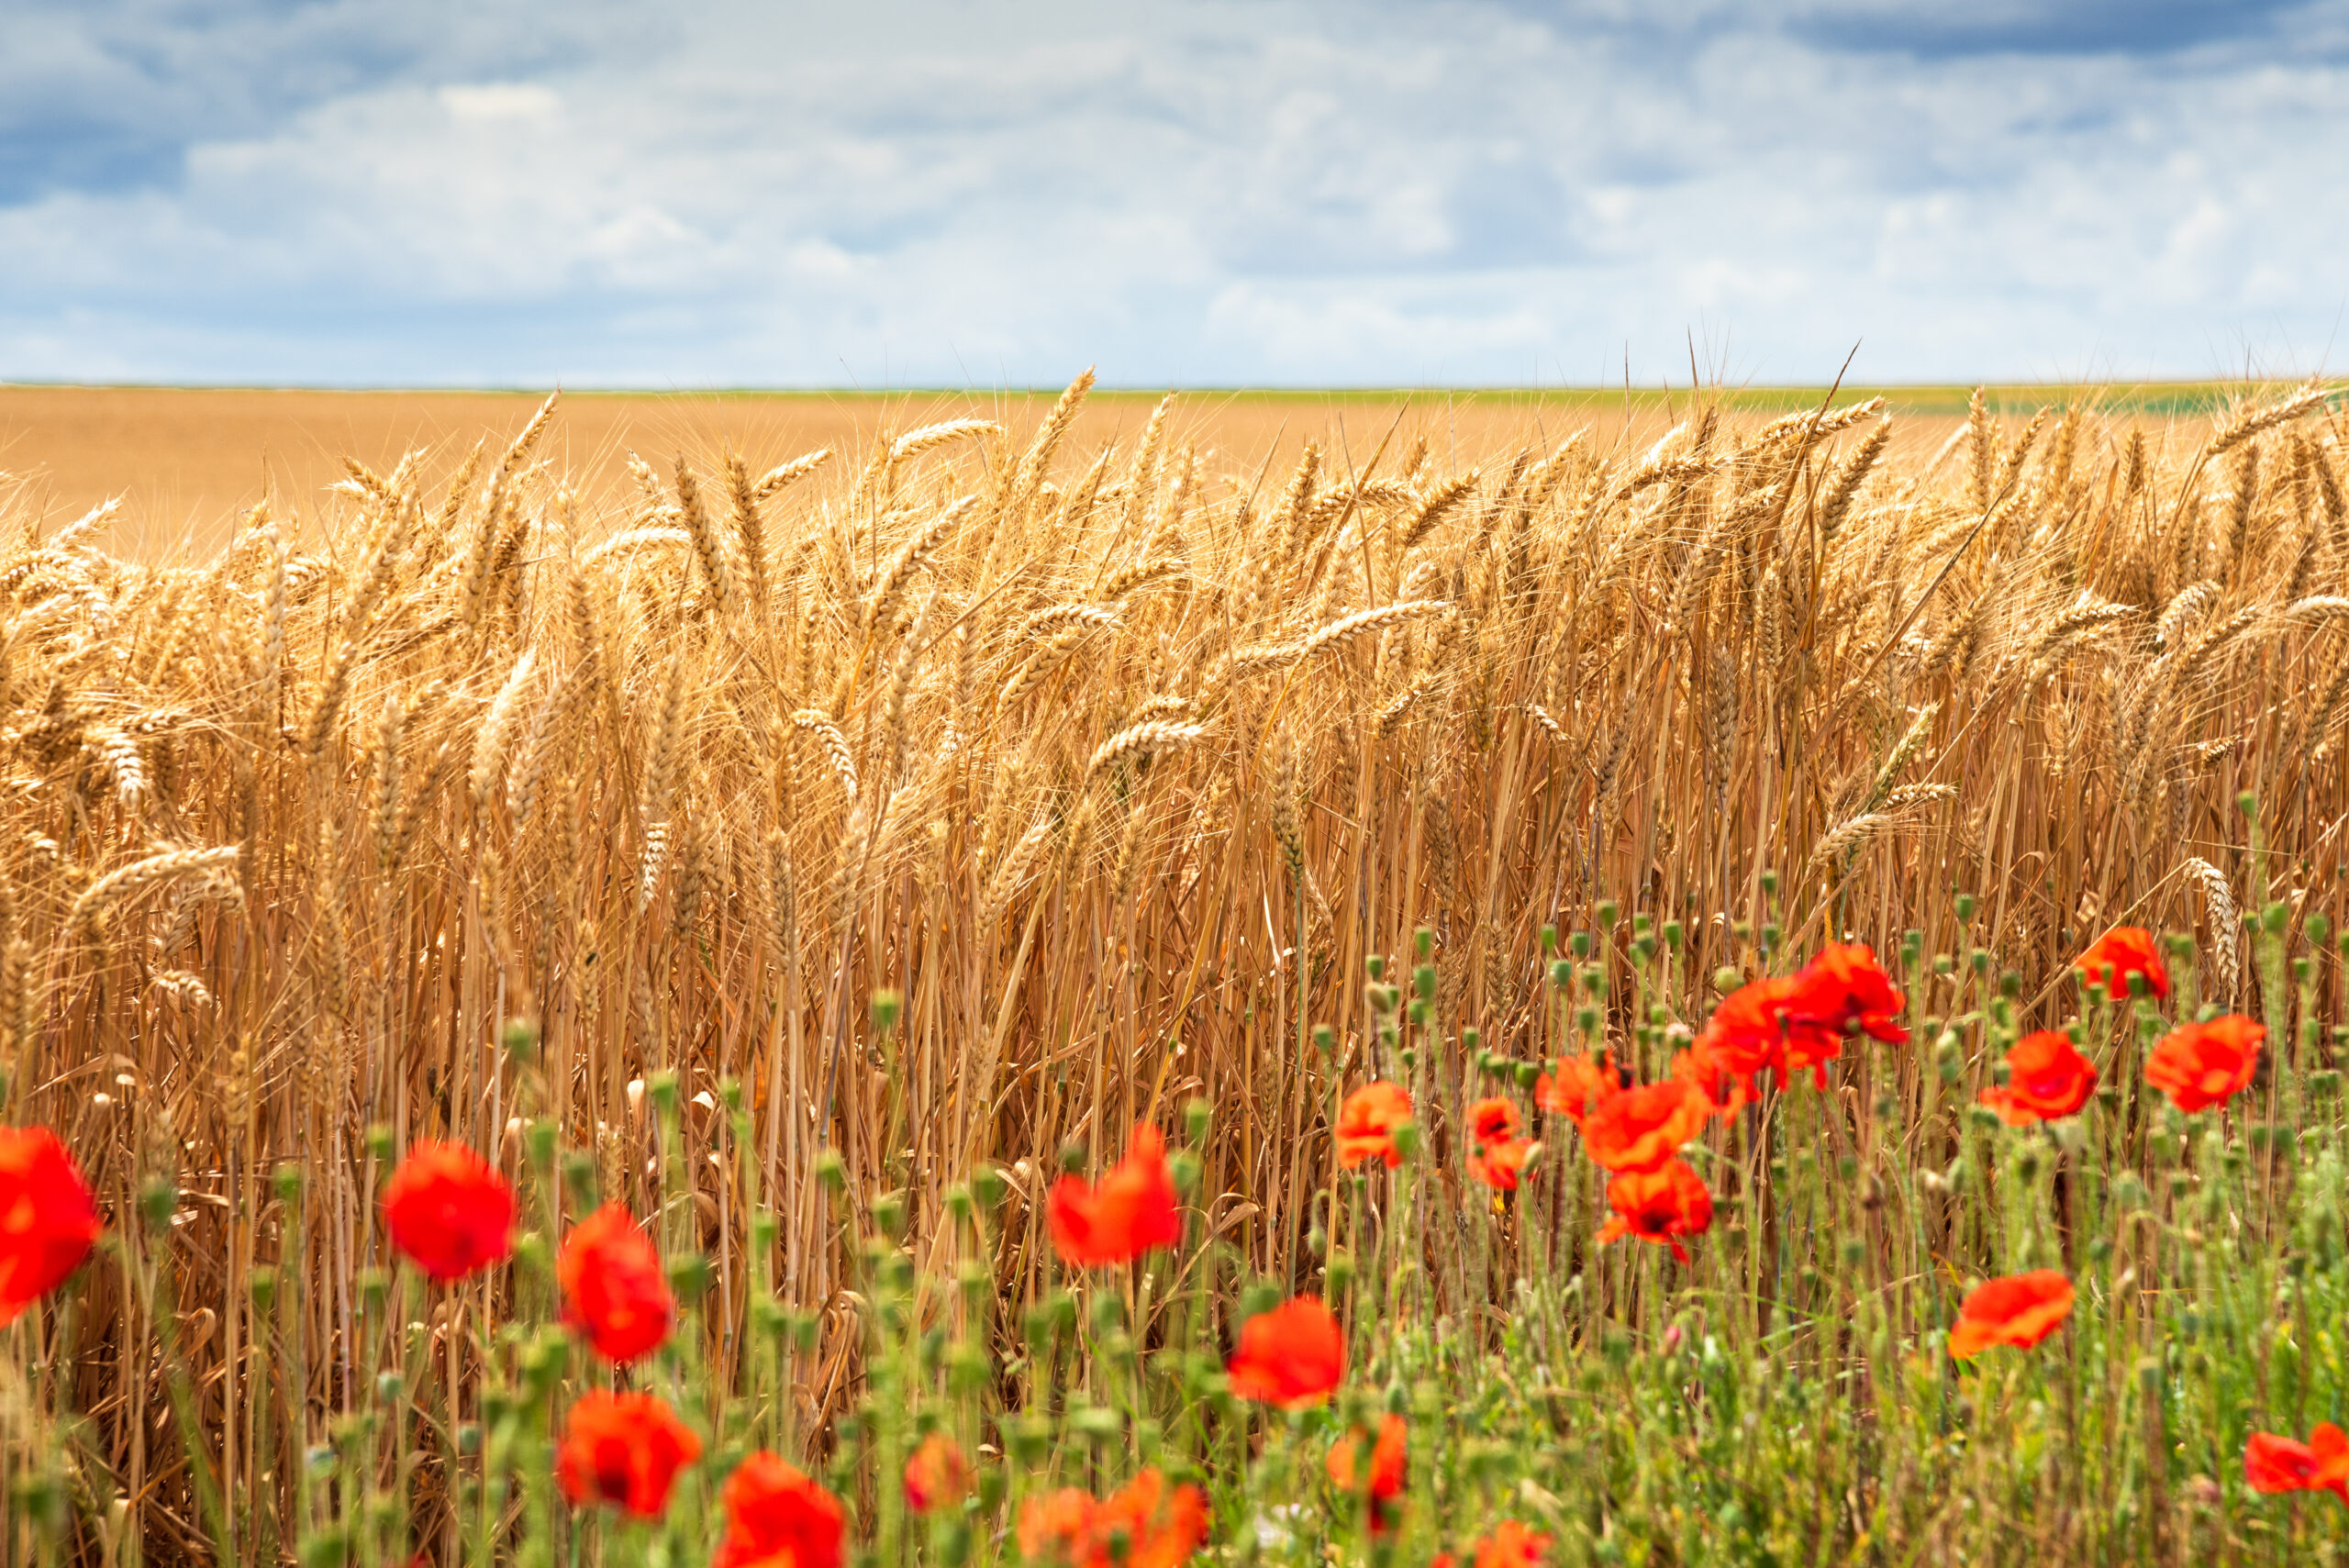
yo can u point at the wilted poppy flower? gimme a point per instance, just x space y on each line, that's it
1496 1154
613 1289
1144 1524
936 1474
1576 1084
2201 1066
1382 1484
2016 1310
1366 1124
1511 1545
2121 953
1660 1205
1291 1356
2047 1079
2273 1463
1638 1130
449 1211
49 1218
623 1449
1129 1212
777 1517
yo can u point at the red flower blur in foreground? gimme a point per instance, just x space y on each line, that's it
2201 1066
1575 1087
449 1211
1496 1154
613 1289
2273 1463
2047 1079
1511 1545
2121 953
1660 1205
1144 1524
1381 1487
1366 1124
1292 1356
1713 1079
1129 1212
1746 1034
1640 1129
1845 990
623 1449
1796 1023
777 1517
49 1218
2015 1309
936 1474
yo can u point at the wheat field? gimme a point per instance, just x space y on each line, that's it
1112 768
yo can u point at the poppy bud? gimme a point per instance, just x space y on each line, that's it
157 1199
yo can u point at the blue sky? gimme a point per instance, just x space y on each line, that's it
974 193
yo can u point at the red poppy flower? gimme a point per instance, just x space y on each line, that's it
1366 1124
1390 1471
1129 1212
2201 1066
777 1517
1747 1033
1292 1356
1845 990
1578 1083
1497 1155
1512 1545
613 1289
624 1449
1659 1206
1144 1524
2016 1310
449 1210
2273 1464
936 1474
1723 1089
49 1218
2121 953
1638 1130
2047 1079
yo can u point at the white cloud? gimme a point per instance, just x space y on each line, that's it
942 192
500 101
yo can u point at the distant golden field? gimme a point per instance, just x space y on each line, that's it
186 461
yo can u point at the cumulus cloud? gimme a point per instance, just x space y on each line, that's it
1245 192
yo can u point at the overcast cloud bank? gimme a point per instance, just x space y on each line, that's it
1204 194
